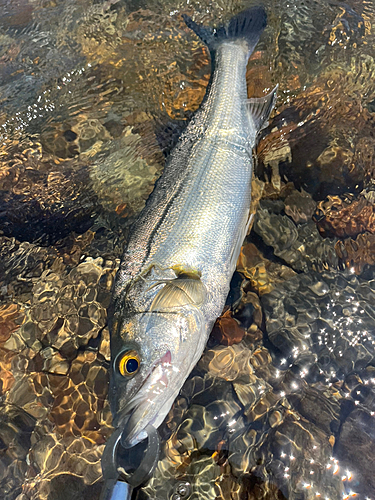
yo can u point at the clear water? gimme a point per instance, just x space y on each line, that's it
92 97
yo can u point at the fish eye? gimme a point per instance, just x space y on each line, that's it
129 363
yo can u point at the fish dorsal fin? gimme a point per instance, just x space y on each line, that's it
259 109
179 292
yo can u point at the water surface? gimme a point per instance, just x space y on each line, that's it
93 96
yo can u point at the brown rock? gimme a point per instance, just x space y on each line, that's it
16 14
261 272
229 363
227 330
80 401
356 253
10 320
343 217
6 376
300 206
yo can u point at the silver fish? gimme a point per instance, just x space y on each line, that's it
176 270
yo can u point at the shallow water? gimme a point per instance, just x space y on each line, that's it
93 97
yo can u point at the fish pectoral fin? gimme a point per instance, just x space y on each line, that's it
259 109
179 292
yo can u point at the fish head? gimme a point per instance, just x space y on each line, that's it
152 354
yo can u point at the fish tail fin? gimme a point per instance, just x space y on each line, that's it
248 25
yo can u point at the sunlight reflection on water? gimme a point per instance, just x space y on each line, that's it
93 95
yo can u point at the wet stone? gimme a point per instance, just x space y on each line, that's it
354 443
80 406
65 307
54 459
304 453
241 451
300 246
261 272
11 317
20 265
32 392
299 321
278 231
199 479
300 206
68 204
196 385
54 362
357 254
227 331
346 217
318 408
15 431
228 363
104 347
6 375
200 427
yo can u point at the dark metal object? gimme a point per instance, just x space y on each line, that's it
118 484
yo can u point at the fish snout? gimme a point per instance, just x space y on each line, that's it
134 425
146 406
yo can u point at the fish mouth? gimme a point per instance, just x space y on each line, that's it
139 412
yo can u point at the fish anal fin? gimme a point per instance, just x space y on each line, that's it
259 109
179 292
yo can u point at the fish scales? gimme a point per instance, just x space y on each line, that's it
176 270
200 224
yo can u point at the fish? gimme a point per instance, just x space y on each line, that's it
176 269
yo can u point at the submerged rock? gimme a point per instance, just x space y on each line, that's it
15 440
275 412
45 204
357 254
70 309
353 449
327 317
261 272
345 217
300 206
299 246
226 330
